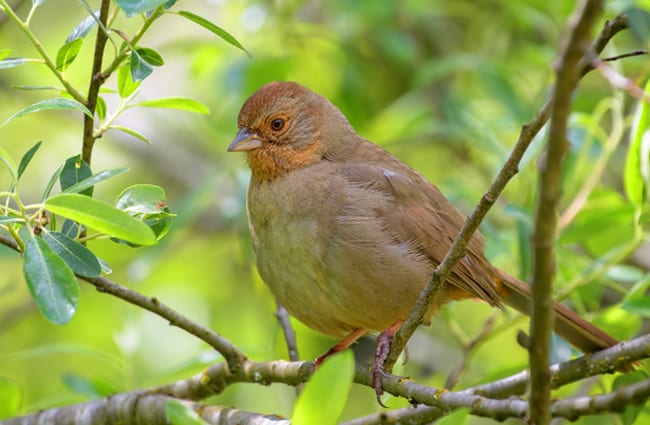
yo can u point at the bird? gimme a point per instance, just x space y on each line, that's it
346 235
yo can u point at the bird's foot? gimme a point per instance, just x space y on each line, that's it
340 346
381 353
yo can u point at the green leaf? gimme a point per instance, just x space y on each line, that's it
11 397
74 171
10 164
38 88
94 388
91 181
138 67
151 56
133 7
125 84
639 21
49 104
639 289
50 184
84 27
4 53
639 306
50 281
68 53
24 161
101 108
180 414
141 199
220 32
101 216
8 219
131 132
10 63
325 394
180 103
636 178
79 258
159 224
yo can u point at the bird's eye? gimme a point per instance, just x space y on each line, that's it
277 124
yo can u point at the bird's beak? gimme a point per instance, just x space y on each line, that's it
245 140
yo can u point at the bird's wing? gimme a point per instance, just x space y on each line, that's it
421 216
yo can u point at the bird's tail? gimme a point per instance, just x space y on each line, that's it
577 331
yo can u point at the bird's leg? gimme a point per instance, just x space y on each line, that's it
341 345
383 345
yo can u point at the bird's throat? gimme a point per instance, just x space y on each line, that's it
272 161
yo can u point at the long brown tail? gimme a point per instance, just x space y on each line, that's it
577 331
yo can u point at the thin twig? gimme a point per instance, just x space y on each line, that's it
289 337
96 81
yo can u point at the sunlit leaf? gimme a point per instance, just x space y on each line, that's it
131 132
74 171
220 32
79 258
100 108
51 282
325 394
4 53
48 105
180 414
133 7
84 27
101 216
68 53
88 182
24 161
125 84
180 103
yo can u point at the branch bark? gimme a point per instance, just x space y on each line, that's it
550 192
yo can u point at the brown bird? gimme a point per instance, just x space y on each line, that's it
346 235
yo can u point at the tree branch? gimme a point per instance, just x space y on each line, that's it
508 171
550 192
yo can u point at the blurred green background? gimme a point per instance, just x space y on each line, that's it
445 86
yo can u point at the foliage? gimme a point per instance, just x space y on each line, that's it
445 86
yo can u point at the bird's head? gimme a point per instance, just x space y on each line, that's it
284 126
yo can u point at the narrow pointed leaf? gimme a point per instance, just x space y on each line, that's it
79 258
49 104
10 63
51 282
220 32
180 103
101 108
634 165
101 216
324 396
84 27
50 184
8 161
93 180
68 53
37 88
131 132
4 53
24 161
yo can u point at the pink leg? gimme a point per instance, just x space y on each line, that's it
383 345
341 345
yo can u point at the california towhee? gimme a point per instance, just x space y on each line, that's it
346 235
